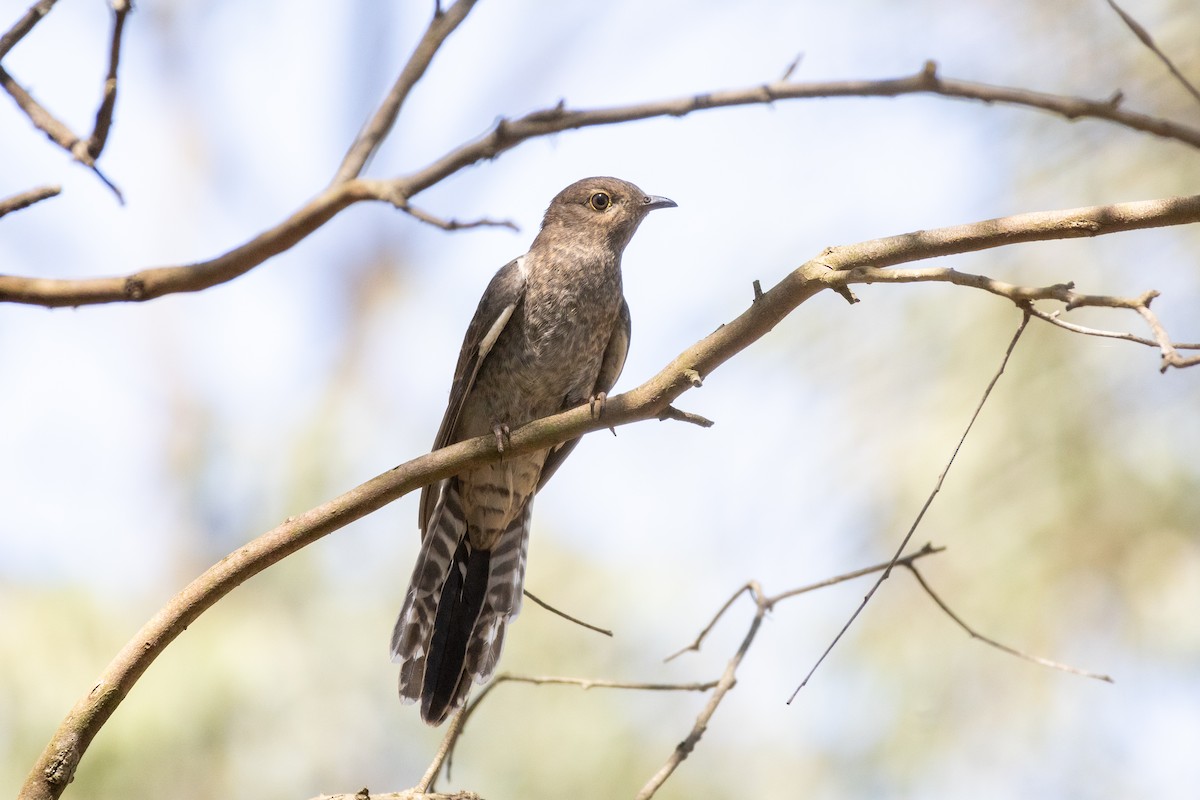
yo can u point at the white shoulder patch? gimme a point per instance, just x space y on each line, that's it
489 339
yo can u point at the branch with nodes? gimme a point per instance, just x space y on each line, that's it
155 282
834 269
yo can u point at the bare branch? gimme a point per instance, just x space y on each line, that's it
1024 297
57 763
1170 356
772 600
48 124
565 615
1144 36
24 25
724 685
507 134
28 198
410 794
921 514
453 224
454 733
159 281
1045 662
1054 319
694 647
373 133
104 115
671 412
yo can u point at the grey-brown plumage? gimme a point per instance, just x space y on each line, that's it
550 333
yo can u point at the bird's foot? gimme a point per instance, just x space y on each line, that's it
502 435
596 404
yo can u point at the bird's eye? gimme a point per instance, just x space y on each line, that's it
600 201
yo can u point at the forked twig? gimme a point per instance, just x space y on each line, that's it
24 25
921 514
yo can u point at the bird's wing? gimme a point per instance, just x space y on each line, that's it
610 370
496 308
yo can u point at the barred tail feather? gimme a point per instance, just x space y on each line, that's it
451 627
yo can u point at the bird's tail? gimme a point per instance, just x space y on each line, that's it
451 628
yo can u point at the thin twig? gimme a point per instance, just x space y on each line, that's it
25 199
1144 36
726 682
1170 358
445 751
48 124
565 615
771 601
24 25
920 515
104 115
1045 662
1025 296
373 133
456 225
673 413
1055 319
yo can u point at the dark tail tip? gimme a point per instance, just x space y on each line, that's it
445 684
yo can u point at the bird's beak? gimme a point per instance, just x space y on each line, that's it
653 201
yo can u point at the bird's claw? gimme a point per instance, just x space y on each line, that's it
502 435
597 400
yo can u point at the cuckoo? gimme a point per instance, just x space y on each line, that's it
551 332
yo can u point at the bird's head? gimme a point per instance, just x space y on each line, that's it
601 209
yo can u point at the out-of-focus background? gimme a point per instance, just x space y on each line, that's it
138 444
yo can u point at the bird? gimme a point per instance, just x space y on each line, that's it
551 333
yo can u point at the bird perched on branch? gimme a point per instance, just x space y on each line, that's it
550 333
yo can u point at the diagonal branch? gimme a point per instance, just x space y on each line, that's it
507 134
24 25
1012 651
57 764
373 133
1145 38
104 115
27 198
48 124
